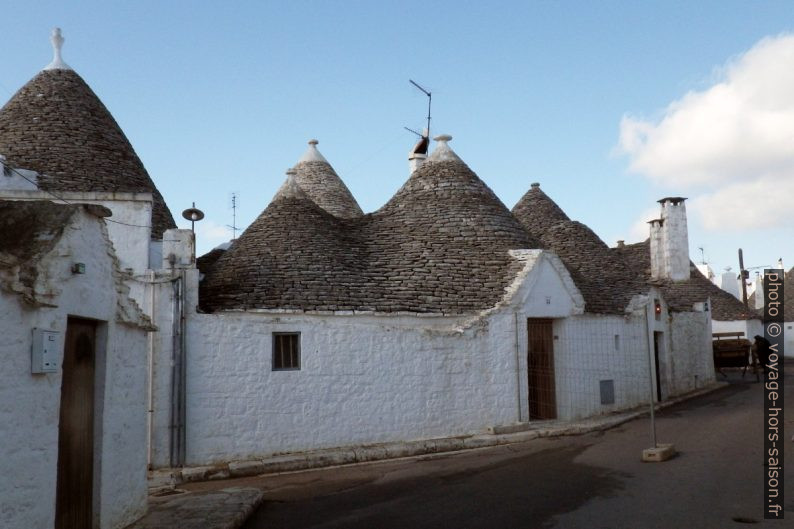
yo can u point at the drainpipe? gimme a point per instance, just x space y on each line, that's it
183 385
150 406
518 366
177 422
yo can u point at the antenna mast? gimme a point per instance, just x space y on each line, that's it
234 217
429 102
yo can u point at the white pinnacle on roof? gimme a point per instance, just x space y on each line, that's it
57 42
291 188
312 154
443 152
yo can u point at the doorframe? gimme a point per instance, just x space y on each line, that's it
99 382
553 379
658 351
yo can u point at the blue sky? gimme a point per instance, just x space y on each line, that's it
221 97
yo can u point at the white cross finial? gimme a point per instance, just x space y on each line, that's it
57 42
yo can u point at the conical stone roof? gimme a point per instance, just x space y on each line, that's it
295 255
440 245
606 282
318 179
681 295
56 126
537 212
442 241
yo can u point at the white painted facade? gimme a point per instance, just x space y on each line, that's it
29 403
788 339
129 227
372 378
728 282
750 328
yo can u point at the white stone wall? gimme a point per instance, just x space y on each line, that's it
134 210
368 378
788 339
750 328
29 404
691 358
727 281
160 294
586 352
363 379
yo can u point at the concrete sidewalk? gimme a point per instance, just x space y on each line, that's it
228 508
216 509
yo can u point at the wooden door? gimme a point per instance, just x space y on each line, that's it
540 361
657 347
75 486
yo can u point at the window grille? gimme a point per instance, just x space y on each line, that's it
286 351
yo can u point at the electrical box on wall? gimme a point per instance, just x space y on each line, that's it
44 353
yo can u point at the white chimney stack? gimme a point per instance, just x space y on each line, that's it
670 241
418 154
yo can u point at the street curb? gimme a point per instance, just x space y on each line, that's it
214 509
170 478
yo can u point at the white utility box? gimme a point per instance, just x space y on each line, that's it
44 353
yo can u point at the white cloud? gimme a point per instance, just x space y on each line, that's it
730 146
640 230
210 234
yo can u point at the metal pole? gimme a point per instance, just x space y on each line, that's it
650 377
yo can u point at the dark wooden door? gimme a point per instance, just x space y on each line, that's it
75 486
540 360
657 346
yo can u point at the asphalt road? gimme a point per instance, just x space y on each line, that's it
592 481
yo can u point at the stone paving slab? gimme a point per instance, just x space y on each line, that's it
217 509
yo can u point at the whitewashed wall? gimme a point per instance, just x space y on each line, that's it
368 378
29 404
750 328
130 239
363 379
586 352
690 358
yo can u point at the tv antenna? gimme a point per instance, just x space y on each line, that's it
233 225
429 103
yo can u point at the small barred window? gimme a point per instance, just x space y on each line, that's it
286 351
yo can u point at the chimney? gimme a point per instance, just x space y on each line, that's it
657 254
670 241
418 154
759 291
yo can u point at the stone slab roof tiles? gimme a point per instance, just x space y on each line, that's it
681 295
295 255
605 281
440 245
56 126
537 212
320 182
